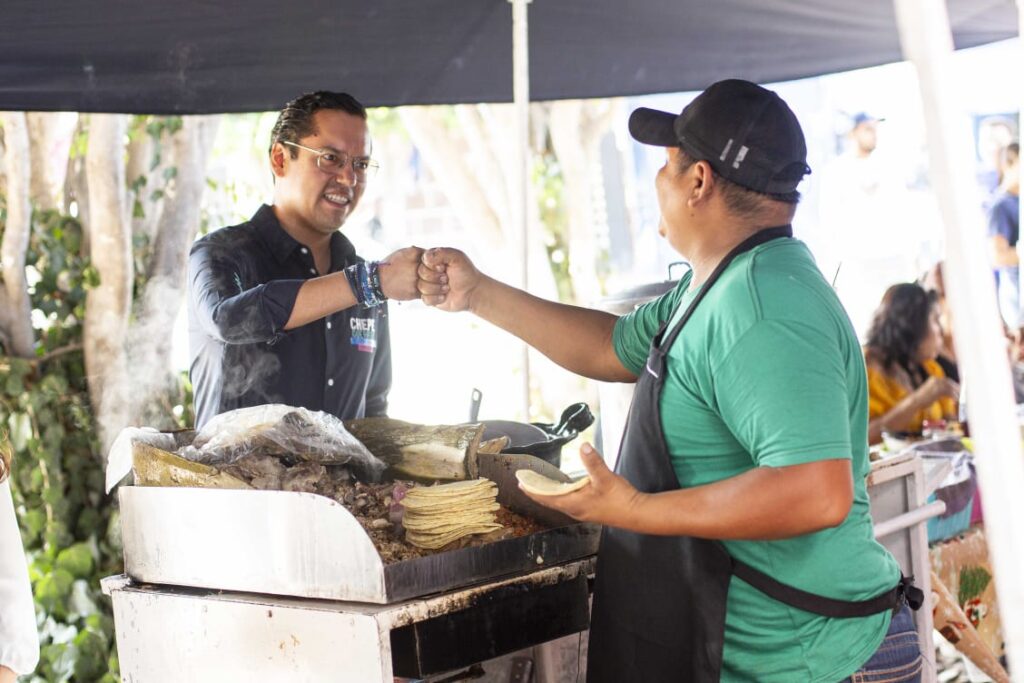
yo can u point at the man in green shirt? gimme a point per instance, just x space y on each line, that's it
745 454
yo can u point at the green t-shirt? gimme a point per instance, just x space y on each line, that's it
768 373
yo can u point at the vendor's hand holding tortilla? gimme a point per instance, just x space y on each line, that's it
537 484
608 499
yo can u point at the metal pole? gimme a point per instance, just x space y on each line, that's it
981 348
521 100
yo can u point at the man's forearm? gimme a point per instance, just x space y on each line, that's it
578 339
765 503
319 298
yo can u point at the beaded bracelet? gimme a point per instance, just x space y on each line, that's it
373 270
358 277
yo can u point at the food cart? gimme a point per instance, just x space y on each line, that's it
233 585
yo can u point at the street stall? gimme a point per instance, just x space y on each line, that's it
256 544
321 580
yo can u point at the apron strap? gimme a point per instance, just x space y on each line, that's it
904 593
758 238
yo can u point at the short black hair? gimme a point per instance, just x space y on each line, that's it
296 119
741 201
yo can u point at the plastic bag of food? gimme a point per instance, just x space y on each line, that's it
280 430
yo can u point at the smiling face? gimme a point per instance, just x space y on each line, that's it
306 199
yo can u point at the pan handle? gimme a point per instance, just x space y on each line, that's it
575 418
475 397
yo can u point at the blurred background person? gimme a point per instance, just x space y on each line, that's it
1003 232
933 281
906 386
995 132
19 642
867 207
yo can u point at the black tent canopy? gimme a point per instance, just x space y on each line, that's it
203 56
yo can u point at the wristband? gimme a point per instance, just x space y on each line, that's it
373 270
358 277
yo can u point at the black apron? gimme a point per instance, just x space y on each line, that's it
659 601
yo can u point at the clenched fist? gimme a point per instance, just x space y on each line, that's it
448 279
398 276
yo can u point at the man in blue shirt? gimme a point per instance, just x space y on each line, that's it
281 308
1004 231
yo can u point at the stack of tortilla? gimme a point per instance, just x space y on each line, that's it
438 515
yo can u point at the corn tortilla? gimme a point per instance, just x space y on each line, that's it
539 485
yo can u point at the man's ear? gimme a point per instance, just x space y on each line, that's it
702 183
278 159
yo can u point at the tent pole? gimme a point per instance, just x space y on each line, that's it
521 100
981 348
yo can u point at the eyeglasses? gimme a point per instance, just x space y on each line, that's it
332 162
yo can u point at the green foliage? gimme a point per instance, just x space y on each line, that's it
69 525
159 129
57 481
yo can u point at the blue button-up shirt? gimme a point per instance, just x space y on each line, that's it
243 281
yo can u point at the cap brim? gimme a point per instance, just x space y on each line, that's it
653 127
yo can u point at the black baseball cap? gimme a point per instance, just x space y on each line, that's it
748 134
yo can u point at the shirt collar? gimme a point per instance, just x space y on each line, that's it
282 245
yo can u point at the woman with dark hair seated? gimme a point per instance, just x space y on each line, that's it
906 385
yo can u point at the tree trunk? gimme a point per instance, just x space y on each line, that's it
179 221
576 131
484 155
45 130
76 182
109 304
140 158
447 161
15 315
463 183
149 339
